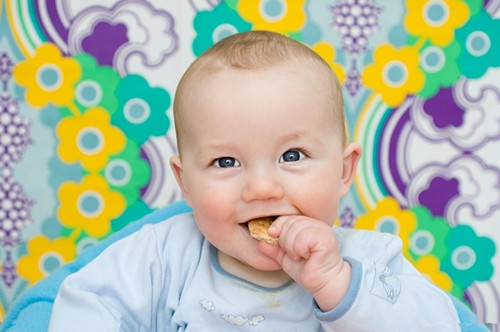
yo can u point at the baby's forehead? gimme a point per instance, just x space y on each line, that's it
235 89
308 72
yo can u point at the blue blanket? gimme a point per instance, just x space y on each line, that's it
31 312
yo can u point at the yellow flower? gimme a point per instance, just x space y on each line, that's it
394 73
436 19
429 266
2 313
327 52
90 205
89 139
389 218
44 256
276 15
48 77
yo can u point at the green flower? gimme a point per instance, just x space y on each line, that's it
469 256
96 86
429 236
127 172
212 26
474 6
480 43
142 110
439 66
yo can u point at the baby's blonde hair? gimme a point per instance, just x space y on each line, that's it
257 50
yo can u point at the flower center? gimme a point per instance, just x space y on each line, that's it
422 242
118 172
478 43
273 10
463 257
395 73
222 31
88 93
435 13
90 140
49 77
136 111
432 59
90 204
49 262
387 225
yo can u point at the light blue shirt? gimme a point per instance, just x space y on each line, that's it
166 277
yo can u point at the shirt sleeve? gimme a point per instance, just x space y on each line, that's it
117 291
386 292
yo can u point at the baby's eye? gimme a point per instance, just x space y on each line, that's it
226 162
292 155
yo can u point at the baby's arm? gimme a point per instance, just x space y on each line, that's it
384 292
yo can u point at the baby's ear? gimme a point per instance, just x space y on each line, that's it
351 157
176 165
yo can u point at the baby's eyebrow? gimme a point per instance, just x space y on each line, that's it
214 149
302 136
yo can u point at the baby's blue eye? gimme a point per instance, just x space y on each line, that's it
291 155
226 162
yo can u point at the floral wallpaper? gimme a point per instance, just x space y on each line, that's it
86 134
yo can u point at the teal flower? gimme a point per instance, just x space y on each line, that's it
429 236
439 65
127 172
480 43
212 26
133 212
469 256
142 109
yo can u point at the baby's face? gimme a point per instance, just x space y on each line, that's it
259 143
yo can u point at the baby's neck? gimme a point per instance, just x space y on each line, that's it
267 279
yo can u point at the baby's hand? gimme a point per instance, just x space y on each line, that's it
309 253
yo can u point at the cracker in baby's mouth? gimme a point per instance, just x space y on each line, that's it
259 230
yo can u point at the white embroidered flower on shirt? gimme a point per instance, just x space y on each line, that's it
207 305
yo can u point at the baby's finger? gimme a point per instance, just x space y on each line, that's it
293 231
276 226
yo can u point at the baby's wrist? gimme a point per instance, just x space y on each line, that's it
332 293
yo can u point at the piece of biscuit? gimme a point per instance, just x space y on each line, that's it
258 230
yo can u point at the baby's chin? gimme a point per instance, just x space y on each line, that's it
262 263
271 267
270 277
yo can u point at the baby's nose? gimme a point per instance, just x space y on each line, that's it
262 187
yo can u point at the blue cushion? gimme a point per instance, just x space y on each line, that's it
467 318
31 311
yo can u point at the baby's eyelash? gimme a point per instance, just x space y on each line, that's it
299 149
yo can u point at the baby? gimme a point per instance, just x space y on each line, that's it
261 134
